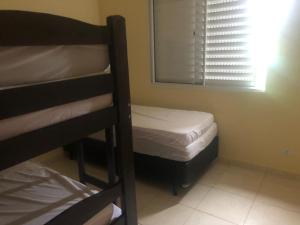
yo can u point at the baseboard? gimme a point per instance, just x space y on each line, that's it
265 169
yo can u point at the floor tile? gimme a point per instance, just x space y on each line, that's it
190 197
164 212
241 181
193 196
223 196
200 218
147 191
262 214
210 178
280 191
225 205
218 166
213 173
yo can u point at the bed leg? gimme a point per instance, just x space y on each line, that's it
174 179
80 160
72 155
110 154
174 189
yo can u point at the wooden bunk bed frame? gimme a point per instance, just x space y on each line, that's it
19 28
178 174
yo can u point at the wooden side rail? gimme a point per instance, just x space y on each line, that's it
22 100
20 28
23 147
90 206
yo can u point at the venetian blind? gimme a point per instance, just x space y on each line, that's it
228 44
204 42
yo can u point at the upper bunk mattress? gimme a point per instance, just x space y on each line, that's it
31 65
175 128
38 64
32 195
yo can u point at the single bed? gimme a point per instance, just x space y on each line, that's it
55 90
180 143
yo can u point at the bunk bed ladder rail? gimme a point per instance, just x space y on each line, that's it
124 154
119 68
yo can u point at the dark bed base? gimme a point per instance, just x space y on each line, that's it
178 174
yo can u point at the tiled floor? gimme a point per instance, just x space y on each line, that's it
224 195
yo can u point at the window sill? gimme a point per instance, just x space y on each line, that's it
213 88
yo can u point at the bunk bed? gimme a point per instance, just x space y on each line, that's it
57 103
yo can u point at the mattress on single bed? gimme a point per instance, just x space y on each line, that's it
170 127
31 194
168 133
144 145
182 153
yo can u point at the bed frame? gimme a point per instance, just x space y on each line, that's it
20 28
177 174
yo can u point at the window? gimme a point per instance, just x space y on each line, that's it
222 43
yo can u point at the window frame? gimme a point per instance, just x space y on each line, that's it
152 42
193 85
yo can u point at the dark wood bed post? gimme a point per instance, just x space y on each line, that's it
119 68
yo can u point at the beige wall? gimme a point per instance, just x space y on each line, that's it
86 10
254 127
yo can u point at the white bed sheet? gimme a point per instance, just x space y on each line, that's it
30 65
179 153
32 195
36 64
182 154
175 128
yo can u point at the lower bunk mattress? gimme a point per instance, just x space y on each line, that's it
31 194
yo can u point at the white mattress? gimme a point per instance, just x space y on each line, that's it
182 154
30 65
178 153
167 133
36 64
33 195
28 122
171 127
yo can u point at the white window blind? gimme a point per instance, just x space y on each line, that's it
228 44
203 42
